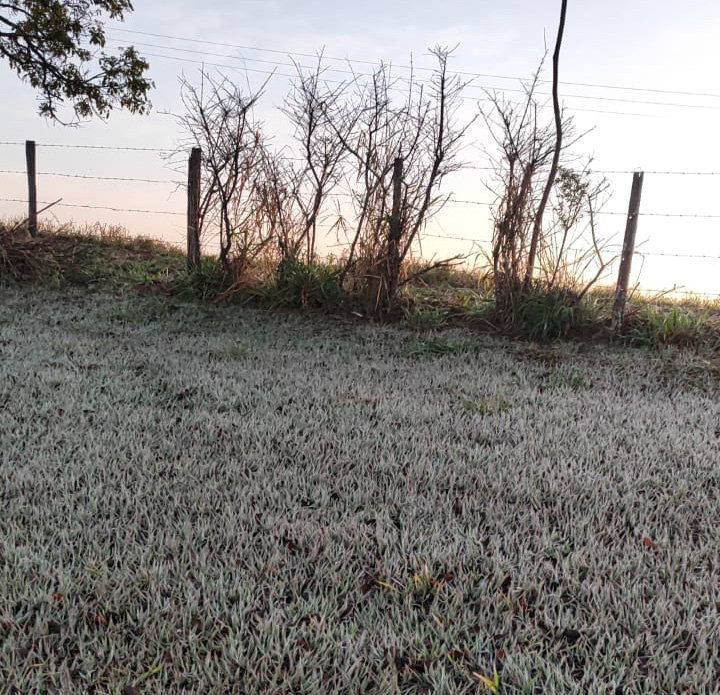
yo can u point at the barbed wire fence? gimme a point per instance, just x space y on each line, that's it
179 185
59 199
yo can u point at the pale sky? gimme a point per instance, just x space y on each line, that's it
664 54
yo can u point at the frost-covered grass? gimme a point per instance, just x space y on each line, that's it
221 500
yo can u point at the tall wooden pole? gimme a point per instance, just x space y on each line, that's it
193 209
627 251
32 187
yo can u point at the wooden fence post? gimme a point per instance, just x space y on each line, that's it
627 251
193 209
32 187
394 229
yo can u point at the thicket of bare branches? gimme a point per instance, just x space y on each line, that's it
567 246
526 147
349 138
219 119
317 113
534 174
367 159
402 152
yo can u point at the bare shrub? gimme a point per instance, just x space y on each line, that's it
317 114
219 119
570 255
534 172
388 155
531 157
402 152
526 151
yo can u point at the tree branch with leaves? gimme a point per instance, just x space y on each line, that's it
58 47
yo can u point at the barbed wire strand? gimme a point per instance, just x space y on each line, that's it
450 201
657 173
603 212
93 178
472 167
169 150
457 238
637 252
469 167
107 147
96 207
676 255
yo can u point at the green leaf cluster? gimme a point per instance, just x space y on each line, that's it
58 47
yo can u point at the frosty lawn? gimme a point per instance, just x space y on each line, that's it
222 500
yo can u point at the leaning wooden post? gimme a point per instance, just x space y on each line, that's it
627 251
32 187
193 209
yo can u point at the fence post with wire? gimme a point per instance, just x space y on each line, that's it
32 187
628 250
34 205
193 208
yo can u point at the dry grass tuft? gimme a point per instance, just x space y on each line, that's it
63 253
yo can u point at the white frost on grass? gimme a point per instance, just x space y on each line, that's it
215 500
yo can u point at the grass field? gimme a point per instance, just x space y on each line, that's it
208 499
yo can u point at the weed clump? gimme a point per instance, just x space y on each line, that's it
66 254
